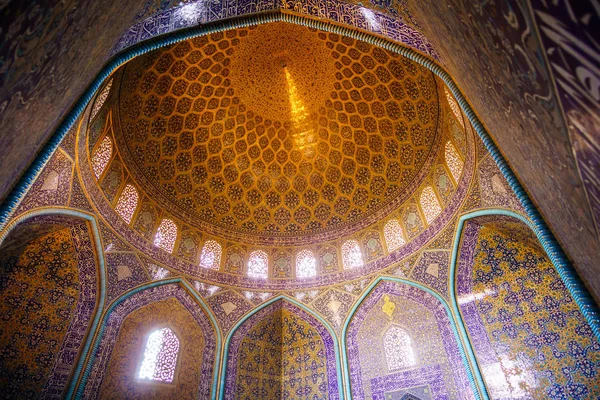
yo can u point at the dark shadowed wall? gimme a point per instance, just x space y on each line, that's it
494 54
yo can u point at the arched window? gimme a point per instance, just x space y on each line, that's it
127 203
453 161
211 255
306 264
258 265
101 99
351 256
398 348
429 204
102 156
454 107
160 356
393 234
166 235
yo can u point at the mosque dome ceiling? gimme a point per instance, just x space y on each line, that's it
277 133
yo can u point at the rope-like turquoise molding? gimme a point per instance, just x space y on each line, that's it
76 390
566 271
101 267
455 250
464 347
308 311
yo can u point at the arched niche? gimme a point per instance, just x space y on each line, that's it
528 334
53 285
282 351
119 348
437 368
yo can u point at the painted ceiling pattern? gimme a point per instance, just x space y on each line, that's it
244 131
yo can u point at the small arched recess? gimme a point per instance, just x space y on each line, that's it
279 329
54 293
439 365
518 312
118 349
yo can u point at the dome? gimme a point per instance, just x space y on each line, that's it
277 156
278 133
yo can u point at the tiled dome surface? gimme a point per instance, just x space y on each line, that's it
276 130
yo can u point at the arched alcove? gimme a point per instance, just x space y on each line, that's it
529 336
281 351
126 329
52 279
436 368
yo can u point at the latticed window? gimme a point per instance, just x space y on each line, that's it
160 356
211 255
351 255
102 156
393 234
453 161
258 264
127 203
398 348
454 107
429 204
101 99
306 264
166 235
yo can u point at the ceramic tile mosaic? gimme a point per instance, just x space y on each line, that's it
110 240
296 352
64 272
432 270
432 344
69 143
78 199
206 290
228 308
122 379
198 12
529 337
495 191
334 306
124 272
136 302
295 178
53 185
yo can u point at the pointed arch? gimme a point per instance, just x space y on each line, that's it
127 203
95 291
166 235
565 270
92 369
506 241
464 358
334 366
